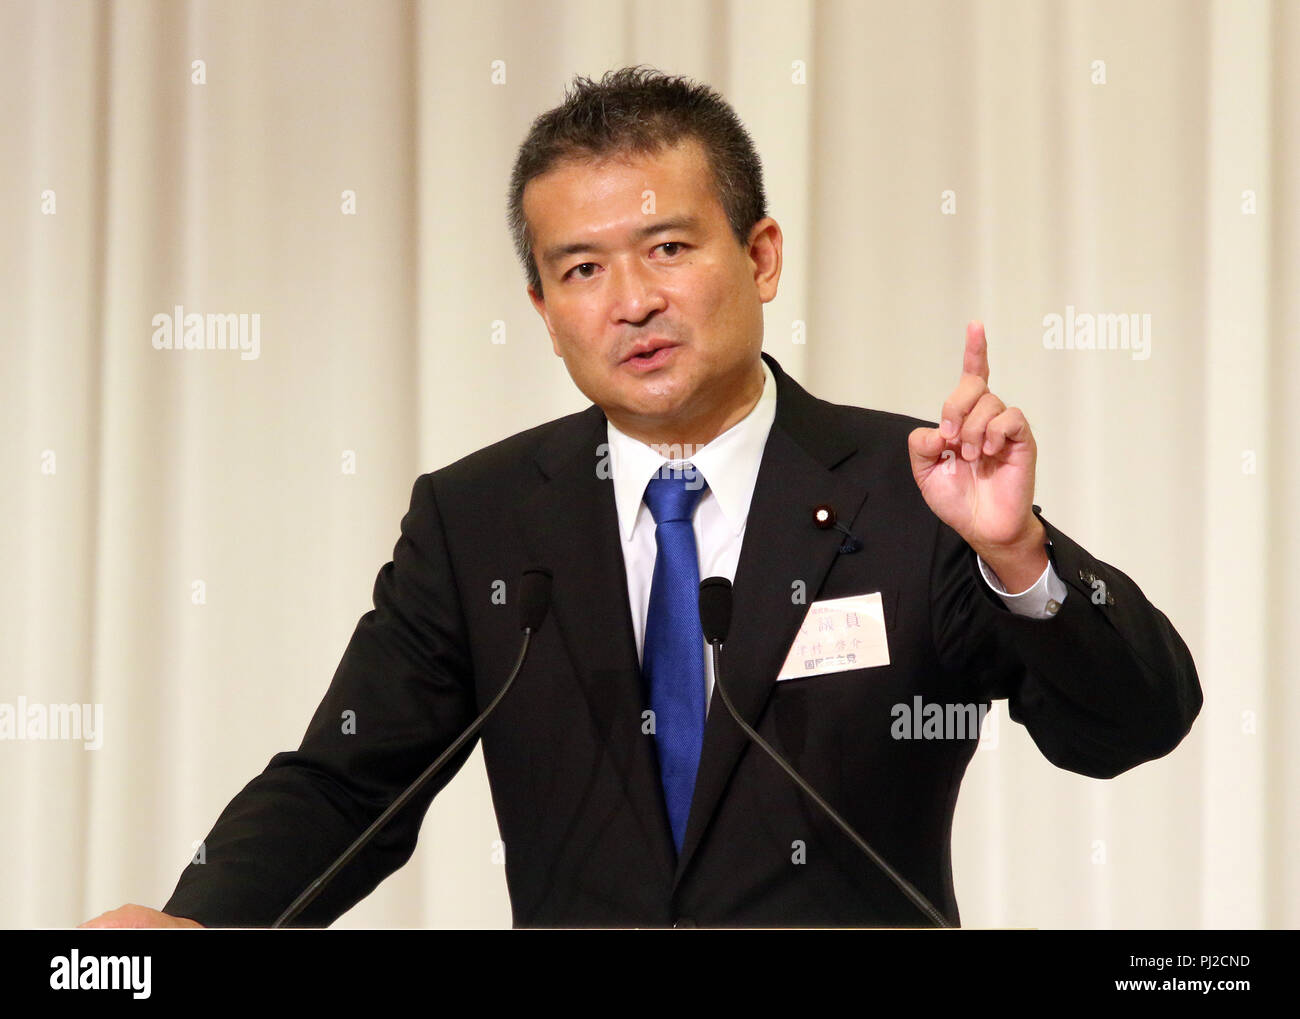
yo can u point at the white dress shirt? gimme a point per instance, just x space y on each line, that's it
729 465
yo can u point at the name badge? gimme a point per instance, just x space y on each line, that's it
837 635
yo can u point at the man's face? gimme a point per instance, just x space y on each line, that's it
647 295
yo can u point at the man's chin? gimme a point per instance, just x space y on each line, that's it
648 414
660 395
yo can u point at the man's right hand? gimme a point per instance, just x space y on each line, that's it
138 916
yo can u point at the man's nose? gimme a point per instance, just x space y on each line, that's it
635 293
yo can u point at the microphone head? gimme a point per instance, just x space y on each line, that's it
534 597
715 608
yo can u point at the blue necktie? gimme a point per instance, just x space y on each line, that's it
672 661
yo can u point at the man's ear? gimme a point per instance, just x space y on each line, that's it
764 248
539 302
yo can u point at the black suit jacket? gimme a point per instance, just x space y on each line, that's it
1104 685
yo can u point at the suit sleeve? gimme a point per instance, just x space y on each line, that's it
401 694
1103 686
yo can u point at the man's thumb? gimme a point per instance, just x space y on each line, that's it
925 445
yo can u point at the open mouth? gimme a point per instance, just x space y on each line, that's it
650 359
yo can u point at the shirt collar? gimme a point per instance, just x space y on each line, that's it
729 463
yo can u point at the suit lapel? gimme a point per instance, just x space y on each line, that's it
781 546
570 524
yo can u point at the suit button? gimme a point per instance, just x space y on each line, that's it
1053 606
684 921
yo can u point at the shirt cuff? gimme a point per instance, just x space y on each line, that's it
1042 601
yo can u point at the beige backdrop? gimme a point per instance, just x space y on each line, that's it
183 543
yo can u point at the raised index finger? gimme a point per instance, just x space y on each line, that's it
976 359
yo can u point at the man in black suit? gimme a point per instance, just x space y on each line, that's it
886 571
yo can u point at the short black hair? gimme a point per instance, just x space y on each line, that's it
639 110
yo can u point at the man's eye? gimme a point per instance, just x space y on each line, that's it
577 268
675 245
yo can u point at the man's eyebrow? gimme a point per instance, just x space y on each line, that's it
554 254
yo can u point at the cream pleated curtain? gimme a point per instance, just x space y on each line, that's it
189 537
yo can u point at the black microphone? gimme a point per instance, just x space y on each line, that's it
715 609
534 601
715 621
